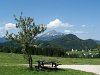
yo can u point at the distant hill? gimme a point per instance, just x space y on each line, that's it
53 39
66 41
2 40
97 41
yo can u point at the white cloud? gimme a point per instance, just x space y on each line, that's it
75 32
79 32
83 25
2 31
86 32
58 24
2 34
1 28
10 26
67 31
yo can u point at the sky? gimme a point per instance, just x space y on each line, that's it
79 17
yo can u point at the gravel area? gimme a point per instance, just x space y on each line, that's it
87 68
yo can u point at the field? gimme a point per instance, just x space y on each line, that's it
13 70
11 58
9 62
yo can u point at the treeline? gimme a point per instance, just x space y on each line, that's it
54 52
35 51
10 49
49 52
46 49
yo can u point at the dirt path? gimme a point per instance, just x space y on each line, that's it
87 68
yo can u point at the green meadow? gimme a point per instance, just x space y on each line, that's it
11 58
16 70
9 65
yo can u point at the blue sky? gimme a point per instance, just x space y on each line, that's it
79 17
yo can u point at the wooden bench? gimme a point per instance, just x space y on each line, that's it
46 64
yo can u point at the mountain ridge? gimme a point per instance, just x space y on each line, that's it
64 41
50 35
2 40
67 41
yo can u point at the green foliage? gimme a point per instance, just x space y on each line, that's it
28 31
10 47
98 47
48 52
54 52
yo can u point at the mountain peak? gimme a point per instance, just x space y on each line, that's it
53 33
50 35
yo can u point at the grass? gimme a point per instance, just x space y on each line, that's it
13 70
11 58
81 61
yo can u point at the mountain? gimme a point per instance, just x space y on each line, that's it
55 39
2 40
50 35
97 41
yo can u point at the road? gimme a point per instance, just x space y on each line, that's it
87 68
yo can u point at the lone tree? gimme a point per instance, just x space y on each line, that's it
26 36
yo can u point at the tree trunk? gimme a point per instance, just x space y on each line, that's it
30 62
